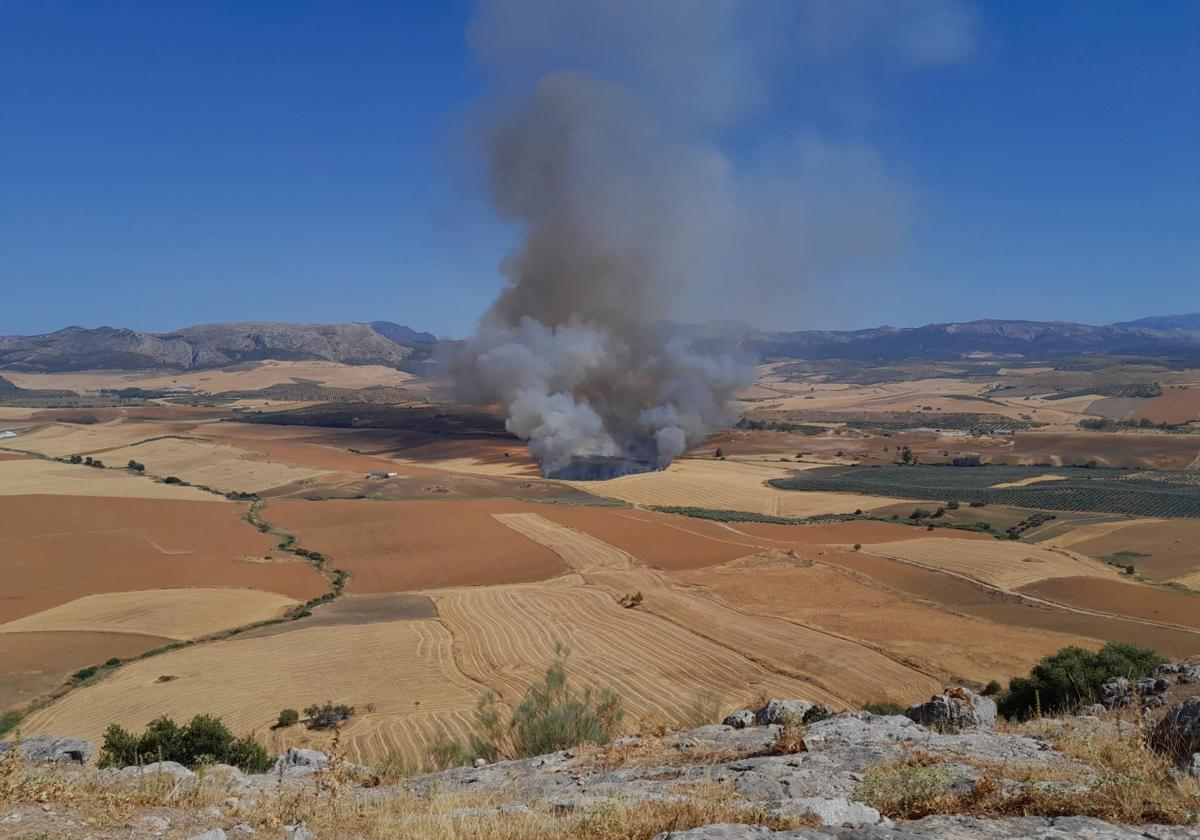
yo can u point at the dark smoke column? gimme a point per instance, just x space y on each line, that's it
575 345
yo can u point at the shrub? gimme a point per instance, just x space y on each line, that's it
952 505
884 707
992 688
328 716
204 740
136 466
910 788
288 717
9 721
111 662
171 480
551 717
1071 678
84 673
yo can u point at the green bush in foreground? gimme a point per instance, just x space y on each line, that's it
1071 678
551 717
204 740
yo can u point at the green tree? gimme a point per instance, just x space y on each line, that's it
287 717
1072 676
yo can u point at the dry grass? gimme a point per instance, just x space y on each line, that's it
217 465
34 476
726 485
1007 565
1121 781
168 613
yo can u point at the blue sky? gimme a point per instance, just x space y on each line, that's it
169 163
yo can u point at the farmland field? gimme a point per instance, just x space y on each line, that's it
400 546
1113 491
28 476
57 549
167 613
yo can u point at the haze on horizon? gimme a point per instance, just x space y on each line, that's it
169 165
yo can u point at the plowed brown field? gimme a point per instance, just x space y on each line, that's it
55 549
1172 546
402 546
1125 598
1174 405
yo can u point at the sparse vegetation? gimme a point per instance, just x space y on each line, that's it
325 716
884 707
287 717
551 717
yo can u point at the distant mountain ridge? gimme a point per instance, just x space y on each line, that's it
387 343
212 345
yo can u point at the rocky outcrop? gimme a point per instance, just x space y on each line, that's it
48 749
954 710
944 828
1178 733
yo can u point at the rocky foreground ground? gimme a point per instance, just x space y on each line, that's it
782 771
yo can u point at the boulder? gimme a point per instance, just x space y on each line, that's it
211 834
170 768
837 811
1116 693
48 749
739 719
1178 733
1188 674
954 710
296 758
782 712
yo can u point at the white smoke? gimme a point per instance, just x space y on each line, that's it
604 148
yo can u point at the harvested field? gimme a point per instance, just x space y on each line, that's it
1033 479
56 549
1172 547
322 449
1190 581
250 376
356 609
216 465
168 613
483 456
909 629
405 669
725 485
1150 450
1004 564
1175 405
965 597
405 546
25 477
14 456
33 664
860 673
507 634
61 440
1124 598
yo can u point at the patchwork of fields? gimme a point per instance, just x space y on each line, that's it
456 569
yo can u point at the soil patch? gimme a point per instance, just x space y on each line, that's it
1122 598
356 609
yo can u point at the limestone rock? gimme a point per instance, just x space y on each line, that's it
782 712
47 749
954 710
739 719
1178 733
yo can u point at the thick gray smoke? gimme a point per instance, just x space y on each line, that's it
604 149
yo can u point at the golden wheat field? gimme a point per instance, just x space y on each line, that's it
726 485
169 613
1007 565
842 667
216 465
400 676
60 440
26 477
506 635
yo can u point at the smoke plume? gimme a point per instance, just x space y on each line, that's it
604 147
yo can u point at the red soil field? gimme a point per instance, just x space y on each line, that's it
1115 596
1174 405
325 449
1172 546
54 549
13 456
32 664
961 596
660 540
400 546
1108 449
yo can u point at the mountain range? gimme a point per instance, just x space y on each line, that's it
396 345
